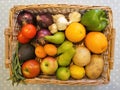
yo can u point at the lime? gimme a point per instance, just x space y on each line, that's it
63 73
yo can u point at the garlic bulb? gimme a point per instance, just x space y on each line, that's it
74 17
60 21
53 28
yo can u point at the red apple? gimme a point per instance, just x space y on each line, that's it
49 65
31 68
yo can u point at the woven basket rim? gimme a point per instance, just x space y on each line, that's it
9 35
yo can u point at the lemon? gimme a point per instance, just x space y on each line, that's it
77 72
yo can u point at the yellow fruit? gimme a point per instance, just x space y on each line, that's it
77 72
96 42
75 32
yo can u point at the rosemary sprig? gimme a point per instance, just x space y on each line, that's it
16 76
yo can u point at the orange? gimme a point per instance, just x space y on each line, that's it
75 32
40 52
96 42
50 49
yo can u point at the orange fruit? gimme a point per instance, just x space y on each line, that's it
75 32
50 49
96 42
40 52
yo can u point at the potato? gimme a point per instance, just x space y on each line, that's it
95 67
82 56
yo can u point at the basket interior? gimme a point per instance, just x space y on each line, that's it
104 78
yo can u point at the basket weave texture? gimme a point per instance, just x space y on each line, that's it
11 41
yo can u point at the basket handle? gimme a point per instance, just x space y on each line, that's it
111 62
7 47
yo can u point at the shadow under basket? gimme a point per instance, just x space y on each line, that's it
12 32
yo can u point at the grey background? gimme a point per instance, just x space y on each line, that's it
5 6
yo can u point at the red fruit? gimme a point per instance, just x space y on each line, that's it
22 39
31 68
29 31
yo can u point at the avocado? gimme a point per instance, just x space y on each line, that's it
26 52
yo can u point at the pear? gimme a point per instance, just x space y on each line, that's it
64 46
57 38
65 58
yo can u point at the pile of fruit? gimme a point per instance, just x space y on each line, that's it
66 46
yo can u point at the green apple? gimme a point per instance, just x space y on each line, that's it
49 65
63 73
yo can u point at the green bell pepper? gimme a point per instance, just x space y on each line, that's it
95 20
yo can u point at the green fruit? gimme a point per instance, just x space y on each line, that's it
64 47
63 73
57 38
65 58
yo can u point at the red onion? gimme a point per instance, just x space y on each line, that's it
25 17
41 34
44 20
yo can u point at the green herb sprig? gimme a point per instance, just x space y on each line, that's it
16 76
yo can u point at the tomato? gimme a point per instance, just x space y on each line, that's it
22 39
29 31
31 68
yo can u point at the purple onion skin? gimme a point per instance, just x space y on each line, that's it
44 20
41 34
25 17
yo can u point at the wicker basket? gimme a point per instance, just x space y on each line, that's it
11 33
